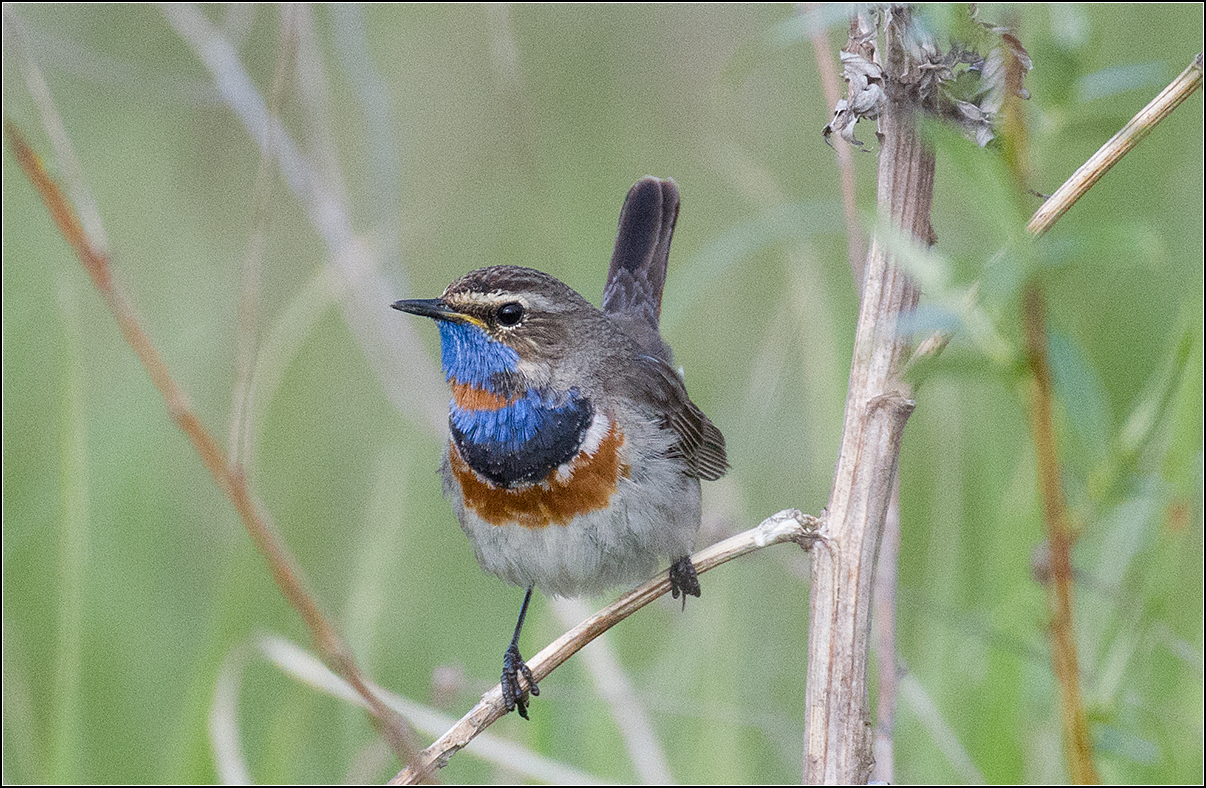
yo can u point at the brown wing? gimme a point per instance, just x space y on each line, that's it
697 440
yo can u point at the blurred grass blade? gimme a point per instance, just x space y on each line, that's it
305 667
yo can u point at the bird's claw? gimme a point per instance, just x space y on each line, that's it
683 579
514 696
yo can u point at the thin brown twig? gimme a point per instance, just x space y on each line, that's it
831 84
1059 537
16 39
1065 662
229 478
790 525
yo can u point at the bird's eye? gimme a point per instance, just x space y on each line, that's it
510 314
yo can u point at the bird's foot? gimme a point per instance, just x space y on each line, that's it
683 579
513 694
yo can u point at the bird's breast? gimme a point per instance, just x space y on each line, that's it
582 483
518 440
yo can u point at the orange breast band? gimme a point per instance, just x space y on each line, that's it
472 398
556 500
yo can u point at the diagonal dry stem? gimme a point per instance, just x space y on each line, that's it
1130 135
1093 170
229 478
790 525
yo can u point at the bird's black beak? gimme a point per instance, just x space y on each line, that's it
434 308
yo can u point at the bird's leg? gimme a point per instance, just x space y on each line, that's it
683 579
513 664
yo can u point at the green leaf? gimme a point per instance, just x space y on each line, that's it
1081 393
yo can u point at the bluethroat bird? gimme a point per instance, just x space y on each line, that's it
575 454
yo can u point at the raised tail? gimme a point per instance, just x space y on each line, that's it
638 265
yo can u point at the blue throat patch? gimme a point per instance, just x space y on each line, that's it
471 357
522 441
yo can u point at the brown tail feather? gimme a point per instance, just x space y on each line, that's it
638 265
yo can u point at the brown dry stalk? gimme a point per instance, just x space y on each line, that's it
1060 537
1066 665
229 477
837 734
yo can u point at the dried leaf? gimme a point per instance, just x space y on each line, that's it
963 86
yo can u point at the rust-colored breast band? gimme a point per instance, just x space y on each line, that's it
472 398
556 500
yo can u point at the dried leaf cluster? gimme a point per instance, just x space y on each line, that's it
966 85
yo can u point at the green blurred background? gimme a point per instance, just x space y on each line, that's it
458 137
